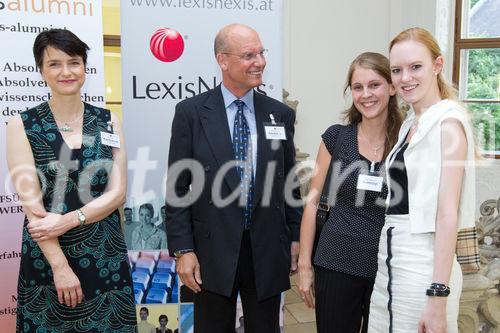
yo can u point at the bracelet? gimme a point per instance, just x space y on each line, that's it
438 289
439 286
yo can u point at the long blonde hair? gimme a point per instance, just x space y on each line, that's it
446 89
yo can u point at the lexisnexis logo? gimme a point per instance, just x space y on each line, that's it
61 7
166 44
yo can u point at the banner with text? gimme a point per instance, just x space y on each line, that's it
22 87
167 56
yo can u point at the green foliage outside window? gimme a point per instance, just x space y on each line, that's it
473 2
483 83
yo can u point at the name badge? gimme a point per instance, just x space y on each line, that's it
370 183
110 139
275 131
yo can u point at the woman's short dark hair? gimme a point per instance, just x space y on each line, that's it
149 207
163 316
60 39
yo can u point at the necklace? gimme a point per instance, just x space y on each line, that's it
66 124
374 149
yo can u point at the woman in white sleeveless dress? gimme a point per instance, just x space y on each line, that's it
431 180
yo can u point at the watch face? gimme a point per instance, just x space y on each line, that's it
81 216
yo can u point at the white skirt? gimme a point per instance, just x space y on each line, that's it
405 268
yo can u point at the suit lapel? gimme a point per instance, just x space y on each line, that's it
264 152
214 121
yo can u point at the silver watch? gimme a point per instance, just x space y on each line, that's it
81 217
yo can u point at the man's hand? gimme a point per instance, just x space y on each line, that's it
188 269
294 250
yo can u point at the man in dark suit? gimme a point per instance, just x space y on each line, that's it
234 232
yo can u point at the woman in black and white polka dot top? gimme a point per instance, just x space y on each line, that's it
345 261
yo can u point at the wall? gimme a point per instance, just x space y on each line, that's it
322 37
407 14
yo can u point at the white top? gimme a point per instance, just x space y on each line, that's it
423 166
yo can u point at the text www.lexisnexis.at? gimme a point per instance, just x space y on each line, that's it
243 5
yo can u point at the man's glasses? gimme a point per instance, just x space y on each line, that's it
249 56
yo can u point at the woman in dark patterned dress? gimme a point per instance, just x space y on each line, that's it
74 274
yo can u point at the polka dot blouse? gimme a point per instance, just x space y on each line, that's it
349 238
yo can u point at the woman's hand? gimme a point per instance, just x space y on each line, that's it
434 316
49 226
69 290
306 284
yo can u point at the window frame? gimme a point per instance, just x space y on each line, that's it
466 44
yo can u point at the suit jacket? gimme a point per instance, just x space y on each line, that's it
200 132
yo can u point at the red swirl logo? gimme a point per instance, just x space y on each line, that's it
166 44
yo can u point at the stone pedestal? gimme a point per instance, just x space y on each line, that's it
304 167
480 301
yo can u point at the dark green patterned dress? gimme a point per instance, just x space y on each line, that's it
96 252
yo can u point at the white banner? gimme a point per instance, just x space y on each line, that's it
22 87
167 56
160 71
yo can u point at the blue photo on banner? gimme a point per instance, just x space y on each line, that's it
154 277
144 227
186 318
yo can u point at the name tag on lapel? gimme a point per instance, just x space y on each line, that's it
275 131
110 139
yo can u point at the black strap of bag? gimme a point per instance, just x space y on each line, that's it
323 207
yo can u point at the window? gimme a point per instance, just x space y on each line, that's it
476 67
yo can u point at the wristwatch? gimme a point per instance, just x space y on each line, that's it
438 289
81 217
179 253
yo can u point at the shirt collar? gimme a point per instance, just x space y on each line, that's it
229 98
429 114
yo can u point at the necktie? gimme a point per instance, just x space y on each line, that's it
242 145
